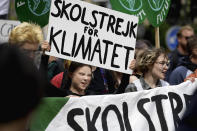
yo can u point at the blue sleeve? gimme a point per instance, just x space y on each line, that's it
177 76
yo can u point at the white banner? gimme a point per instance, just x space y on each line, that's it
5 28
158 109
90 34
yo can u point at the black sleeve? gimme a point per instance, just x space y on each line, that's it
44 63
52 91
188 123
123 84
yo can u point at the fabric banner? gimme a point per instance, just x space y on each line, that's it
91 34
158 109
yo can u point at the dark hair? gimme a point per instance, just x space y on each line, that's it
191 44
186 27
142 44
21 85
72 68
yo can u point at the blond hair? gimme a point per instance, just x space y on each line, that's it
26 33
148 59
186 27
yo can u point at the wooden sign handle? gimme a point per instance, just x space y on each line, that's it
157 39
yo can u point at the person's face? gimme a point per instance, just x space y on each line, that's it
183 38
160 67
30 49
81 78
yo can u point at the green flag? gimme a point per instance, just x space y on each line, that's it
36 11
156 11
45 113
133 7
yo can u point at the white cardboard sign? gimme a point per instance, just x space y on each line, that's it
5 28
90 34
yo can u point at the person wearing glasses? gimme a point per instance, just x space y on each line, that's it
28 37
187 64
183 34
153 65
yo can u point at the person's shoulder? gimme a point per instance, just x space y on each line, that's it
177 72
132 78
91 92
130 87
180 69
164 83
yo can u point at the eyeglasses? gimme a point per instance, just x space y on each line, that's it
30 52
164 63
186 37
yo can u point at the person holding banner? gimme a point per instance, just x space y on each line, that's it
141 46
78 79
187 64
103 81
153 64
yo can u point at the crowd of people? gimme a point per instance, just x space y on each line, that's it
23 58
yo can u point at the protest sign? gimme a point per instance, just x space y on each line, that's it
158 109
171 37
133 7
36 11
156 10
90 34
5 28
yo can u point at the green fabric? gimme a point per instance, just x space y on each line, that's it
155 10
132 7
33 11
53 70
47 110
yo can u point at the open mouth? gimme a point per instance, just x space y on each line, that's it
84 83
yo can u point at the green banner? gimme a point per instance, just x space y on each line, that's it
36 11
156 11
133 7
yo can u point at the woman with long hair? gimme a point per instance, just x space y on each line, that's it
77 79
153 65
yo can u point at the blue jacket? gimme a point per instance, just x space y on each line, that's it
185 68
175 58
